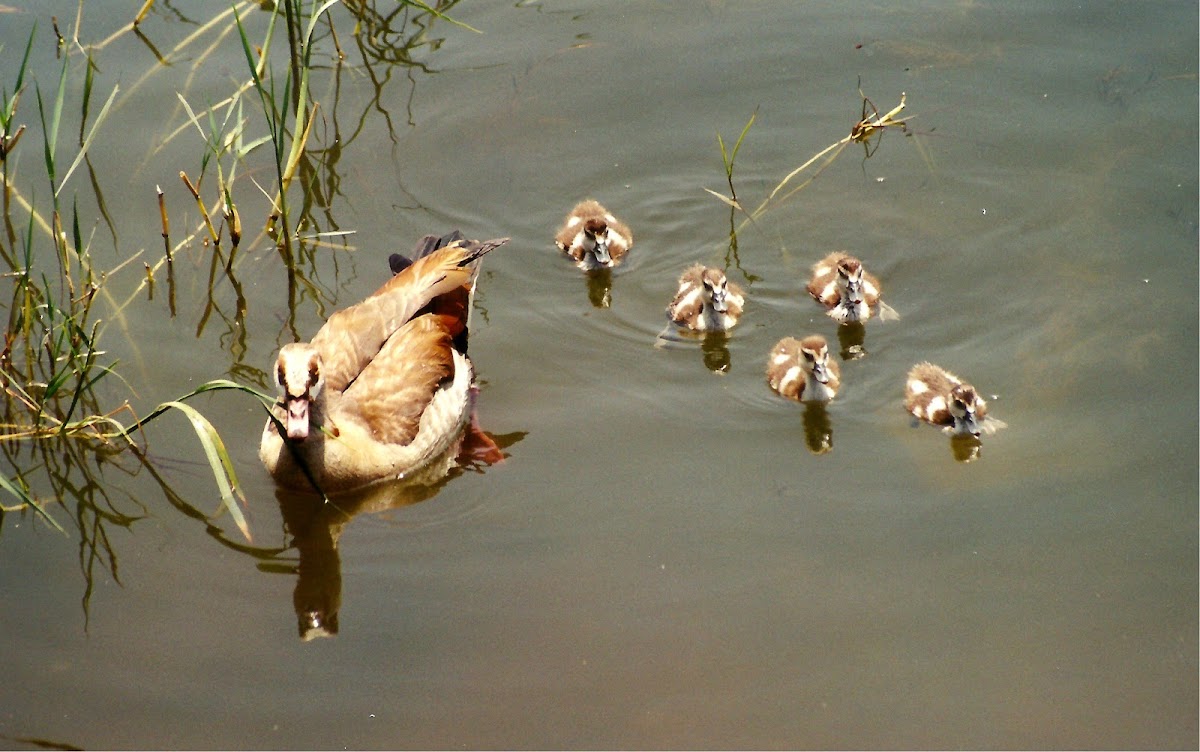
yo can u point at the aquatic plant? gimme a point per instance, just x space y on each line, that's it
52 362
729 156
869 126
62 414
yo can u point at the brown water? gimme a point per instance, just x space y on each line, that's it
662 561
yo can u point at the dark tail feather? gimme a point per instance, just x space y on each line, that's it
399 262
478 248
425 246
454 306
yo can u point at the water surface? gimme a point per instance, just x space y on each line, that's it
662 560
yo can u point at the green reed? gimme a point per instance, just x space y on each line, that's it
284 101
52 364
870 125
57 384
728 157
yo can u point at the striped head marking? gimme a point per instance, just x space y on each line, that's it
964 406
814 357
298 375
850 279
716 288
596 231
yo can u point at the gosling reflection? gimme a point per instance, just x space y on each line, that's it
716 352
714 346
316 525
851 339
965 448
818 428
599 287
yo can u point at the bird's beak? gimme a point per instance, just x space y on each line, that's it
718 301
297 417
602 254
972 424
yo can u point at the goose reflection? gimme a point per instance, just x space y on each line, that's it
315 525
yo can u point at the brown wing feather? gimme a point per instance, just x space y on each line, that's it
686 313
394 390
690 281
352 337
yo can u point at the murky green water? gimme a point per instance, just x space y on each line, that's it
662 561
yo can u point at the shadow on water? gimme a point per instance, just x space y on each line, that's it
37 743
316 525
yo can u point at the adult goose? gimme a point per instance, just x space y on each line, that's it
385 386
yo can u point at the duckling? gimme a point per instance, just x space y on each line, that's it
936 396
706 300
841 284
593 237
802 369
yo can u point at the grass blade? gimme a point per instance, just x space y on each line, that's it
87 141
25 498
741 137
219 461
724 198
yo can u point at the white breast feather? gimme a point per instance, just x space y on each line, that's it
792 375
689 298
